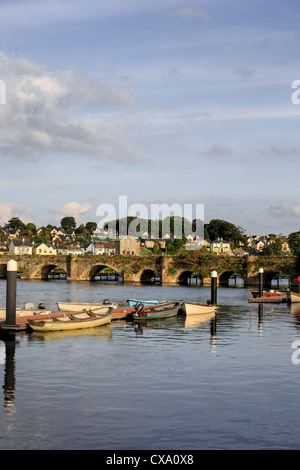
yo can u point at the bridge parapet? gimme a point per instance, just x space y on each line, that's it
170 269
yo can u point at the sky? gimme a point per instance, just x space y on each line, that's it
162 102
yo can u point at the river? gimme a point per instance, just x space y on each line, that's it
178 384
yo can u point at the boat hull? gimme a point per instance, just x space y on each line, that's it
156 312
24 312
81 307
272 300
69 322
133 302
189 308
294 297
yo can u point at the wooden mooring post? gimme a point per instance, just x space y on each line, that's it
214 279
11 298
261 282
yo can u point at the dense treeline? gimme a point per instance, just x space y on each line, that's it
214 230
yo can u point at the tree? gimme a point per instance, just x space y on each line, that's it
31 227
15 222
218 228
274 248
91 226
68 223
294 242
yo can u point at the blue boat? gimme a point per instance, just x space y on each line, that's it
133 302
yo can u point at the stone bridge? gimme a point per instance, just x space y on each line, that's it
169 269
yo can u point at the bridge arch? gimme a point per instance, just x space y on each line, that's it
226 276
148 276
3 269
185 278
89 273
43 270
273 275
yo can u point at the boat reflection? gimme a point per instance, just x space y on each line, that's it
197 320
103 331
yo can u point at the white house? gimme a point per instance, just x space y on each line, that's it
20 247
220 246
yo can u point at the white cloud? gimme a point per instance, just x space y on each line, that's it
55 112
218 149
285 209
188 14
9 210
71 209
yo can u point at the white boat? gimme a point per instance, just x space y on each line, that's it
84 307
29 309
294 297
77 321
189 308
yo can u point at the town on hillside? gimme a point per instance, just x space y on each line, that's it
220 237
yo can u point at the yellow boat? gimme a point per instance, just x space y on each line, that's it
71 321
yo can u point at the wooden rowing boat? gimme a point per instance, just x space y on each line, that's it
273 300
73 321
69 307
294 297
189 308
155 312
24 312
147 303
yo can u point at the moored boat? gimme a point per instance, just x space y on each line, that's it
73 321
294 297
134 302
26 311
270 299
189 308
84 307
269 293
155 312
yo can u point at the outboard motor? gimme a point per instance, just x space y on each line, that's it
41 306
138 308
106 302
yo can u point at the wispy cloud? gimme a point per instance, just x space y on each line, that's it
58 112
285 209
189 14
10 209
71 209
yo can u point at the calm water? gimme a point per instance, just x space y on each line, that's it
229 384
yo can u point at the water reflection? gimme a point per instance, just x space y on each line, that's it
103 331
9 341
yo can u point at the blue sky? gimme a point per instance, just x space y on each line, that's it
169 101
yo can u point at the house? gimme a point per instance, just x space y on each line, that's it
109 248
259 245
127 246
88 248
58 237
44 249
74 250
21 246
61 249
3 248
220 246
240 252
99 248
11 232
